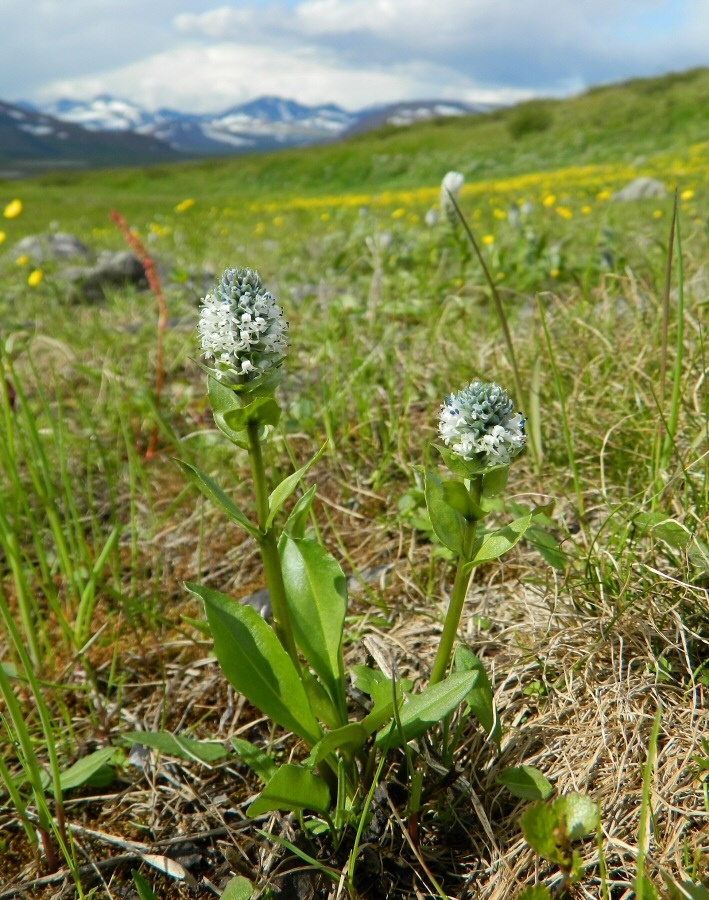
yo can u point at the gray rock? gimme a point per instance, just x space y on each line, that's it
642 188
58 245
112 270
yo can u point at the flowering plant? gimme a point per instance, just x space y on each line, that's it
293 670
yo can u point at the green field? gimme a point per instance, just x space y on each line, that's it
594 629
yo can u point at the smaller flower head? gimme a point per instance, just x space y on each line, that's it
241 327
479 424
451 186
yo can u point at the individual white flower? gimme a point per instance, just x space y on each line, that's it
451 186
241 327
479 423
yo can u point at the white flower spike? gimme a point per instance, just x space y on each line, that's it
479 423
241 327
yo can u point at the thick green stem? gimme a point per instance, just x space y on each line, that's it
459 593
269 549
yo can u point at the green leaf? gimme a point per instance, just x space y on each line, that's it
526 782
494 481
448 524
211 489
281 493
179 746
224 400
316 589
540 824
645 889
548 546
292 788
297 521
688 890
537 892
86 768
465 468
353 736
425 709
145 892
255 758
480 699
495 544
238 888
263 411
256 664
580 814
457 496
678 536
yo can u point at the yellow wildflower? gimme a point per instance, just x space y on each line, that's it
13 209
324 216
278 221
687 195
499 213
2 237
564 212
185 205
586 210
488 239
35 277
549 200
555 273
22 260
658 214
260 228
603 195
398 213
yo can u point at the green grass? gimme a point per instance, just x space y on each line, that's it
387 315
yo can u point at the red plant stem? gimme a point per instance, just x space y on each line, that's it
151 273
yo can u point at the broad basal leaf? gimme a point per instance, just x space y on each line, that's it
292 788
423 710
256 664
316 590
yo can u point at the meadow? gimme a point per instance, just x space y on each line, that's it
593 629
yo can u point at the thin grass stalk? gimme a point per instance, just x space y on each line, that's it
645 809
500 310
568 440
673 417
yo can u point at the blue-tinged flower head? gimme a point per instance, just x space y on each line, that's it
241 327
479 423
451 186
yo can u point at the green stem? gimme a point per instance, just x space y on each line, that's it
455 608
269 549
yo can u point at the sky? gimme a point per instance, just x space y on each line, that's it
205 55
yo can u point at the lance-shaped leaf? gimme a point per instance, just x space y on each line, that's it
425 709
224 400
352 736
256 664
496 543
480 699
293 788
211 489
448 524
316 591
179 745
297 521
281 493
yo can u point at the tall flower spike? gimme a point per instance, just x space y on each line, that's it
479 423
241 327
451 186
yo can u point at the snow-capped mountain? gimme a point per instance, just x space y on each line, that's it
33 141
263 124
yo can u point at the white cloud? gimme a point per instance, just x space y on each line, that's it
354 52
